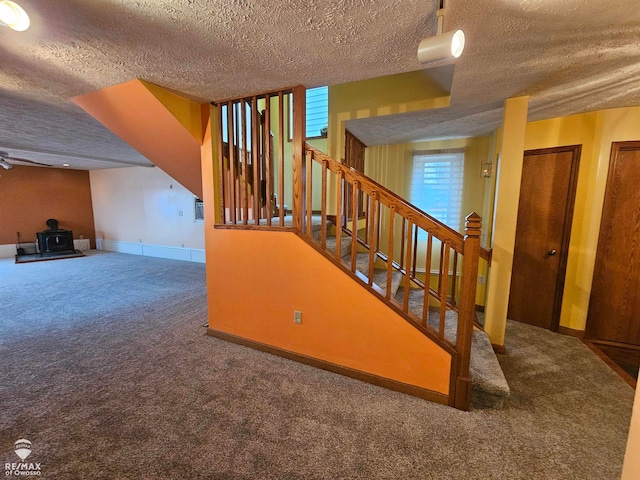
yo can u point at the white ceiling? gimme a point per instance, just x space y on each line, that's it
570 56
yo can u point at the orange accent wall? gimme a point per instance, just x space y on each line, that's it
135 114
256 279
31 195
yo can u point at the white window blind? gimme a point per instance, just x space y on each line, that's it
436 185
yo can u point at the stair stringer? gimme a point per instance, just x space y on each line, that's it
258 278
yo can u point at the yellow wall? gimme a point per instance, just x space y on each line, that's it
508 172
631 468
595 131
407 92
391 166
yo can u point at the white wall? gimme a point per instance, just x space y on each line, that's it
144 211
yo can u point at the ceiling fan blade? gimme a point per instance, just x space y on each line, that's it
28 161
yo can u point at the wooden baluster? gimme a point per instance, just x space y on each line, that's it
373 199
466 311
255 159
440 266
267 156
245 168
281 212
415 251
392 221
323 213
365 199
298 166
354 223
222 171
378 230
427 280
232 162
442 294
407 277
404 226
339 197
309 202
454 278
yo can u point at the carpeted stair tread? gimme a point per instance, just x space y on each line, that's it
380 279
489 387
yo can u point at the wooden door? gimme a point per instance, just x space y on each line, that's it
545 210
354 158
614 307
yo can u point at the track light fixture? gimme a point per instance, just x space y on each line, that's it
5 165
442 46
13 16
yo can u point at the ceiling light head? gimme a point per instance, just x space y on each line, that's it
441 47
5 165
13 16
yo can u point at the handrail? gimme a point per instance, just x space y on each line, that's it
390 218
370 186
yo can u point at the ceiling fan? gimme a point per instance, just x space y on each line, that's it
5 159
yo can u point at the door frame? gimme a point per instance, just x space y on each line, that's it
576 151
614 157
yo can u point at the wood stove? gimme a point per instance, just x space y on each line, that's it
55 240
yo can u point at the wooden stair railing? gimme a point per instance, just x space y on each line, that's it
398 237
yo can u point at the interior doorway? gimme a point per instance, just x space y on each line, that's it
545 212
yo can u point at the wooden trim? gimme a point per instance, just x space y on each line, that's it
298 164
412 319
371 378
611 364
576 151
499 349
259 95
571 332
265 228
614 158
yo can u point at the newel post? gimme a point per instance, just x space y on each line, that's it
466 309
299 172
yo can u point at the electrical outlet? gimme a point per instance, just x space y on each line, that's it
180 213
481 279
297 317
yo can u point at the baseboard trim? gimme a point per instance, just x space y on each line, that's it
571 332
395 385
632 382
157 251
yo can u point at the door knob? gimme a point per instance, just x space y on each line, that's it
551 253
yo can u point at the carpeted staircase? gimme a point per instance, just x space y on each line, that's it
489 386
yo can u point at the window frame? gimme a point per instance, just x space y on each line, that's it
455 157
290 110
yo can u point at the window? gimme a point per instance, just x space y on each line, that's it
317 112
199 209
436 185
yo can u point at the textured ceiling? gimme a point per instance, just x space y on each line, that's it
569 55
